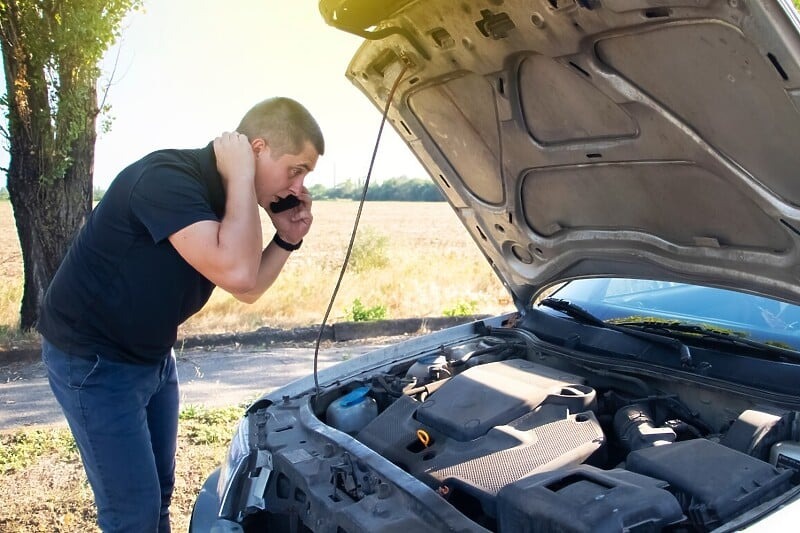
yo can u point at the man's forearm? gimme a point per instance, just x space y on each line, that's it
240 228
273 258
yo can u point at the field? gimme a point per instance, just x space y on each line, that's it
411 259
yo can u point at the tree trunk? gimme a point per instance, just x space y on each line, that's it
47 217
49 207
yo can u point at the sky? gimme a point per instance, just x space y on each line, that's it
186 70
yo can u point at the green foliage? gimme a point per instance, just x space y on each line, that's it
318 191
23 448
203 425
98 193
462 308
405 189
3 193
360 313
797 4
52 51
400 189
369 251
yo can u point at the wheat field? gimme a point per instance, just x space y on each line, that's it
413 259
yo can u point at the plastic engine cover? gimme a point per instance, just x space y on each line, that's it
489 395
524 423
585 498
713 482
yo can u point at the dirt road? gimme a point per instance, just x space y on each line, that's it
216 377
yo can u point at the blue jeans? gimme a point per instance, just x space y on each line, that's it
124 418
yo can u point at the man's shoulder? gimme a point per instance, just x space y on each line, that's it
193 161
191 168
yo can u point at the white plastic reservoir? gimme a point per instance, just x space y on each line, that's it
353 411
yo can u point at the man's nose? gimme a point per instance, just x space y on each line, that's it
296 185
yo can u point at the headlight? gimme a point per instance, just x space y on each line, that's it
235 463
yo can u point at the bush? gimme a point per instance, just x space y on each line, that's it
462 308
360 313
203 425
369 251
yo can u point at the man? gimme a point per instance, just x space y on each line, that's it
170 228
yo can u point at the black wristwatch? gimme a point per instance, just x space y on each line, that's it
289 247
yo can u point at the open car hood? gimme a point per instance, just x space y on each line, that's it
574 138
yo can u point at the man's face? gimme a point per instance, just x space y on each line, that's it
279 177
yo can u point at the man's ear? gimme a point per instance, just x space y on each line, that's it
260 146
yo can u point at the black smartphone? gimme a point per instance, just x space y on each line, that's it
284 203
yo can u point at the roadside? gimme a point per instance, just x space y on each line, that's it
217 376
218 370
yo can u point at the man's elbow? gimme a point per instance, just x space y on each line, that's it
239 281
246 297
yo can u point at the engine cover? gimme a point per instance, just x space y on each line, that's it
489 395
532 420
584 498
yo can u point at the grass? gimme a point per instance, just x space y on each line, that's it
44 488
23 448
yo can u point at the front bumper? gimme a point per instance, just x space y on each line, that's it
206 508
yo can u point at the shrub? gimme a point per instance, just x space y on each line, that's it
360 313
369 251
203 425
462 308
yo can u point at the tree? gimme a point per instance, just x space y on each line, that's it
51 51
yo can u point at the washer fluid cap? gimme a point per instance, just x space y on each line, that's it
354 397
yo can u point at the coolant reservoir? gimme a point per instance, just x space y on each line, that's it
352 411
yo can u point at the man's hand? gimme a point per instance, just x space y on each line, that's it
235 158
293 224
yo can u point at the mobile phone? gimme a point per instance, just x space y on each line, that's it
284 203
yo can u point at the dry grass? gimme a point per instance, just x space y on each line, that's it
51 493
10 274
433 265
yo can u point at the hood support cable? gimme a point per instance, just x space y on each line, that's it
389 99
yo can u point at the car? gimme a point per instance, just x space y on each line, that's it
629 168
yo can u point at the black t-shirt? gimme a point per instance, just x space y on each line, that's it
122 289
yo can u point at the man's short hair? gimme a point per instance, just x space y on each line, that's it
284 123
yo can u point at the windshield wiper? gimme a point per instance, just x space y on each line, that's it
582 315
697 331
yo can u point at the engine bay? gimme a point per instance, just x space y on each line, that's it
517 445
498 433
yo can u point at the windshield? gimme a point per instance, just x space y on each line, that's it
631 300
